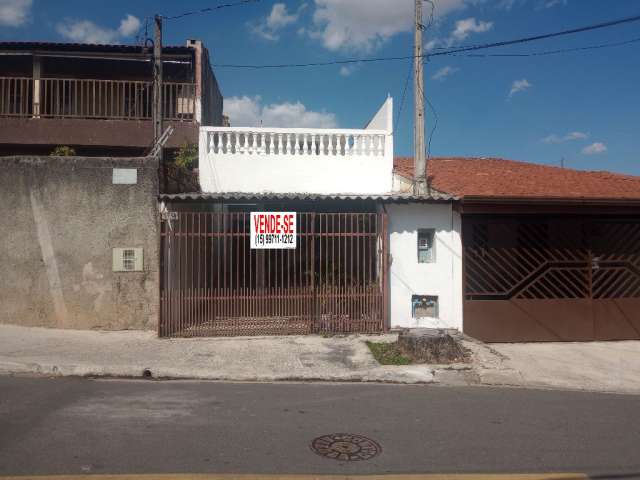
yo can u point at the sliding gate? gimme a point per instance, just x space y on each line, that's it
214 284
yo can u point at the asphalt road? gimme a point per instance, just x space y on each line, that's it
79 426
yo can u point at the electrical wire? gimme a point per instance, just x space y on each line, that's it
468 48
534 38
209 9
404 94
549 52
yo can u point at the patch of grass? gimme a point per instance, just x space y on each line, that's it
388 353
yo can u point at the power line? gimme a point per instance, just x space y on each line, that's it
404 94
209 9
463 49
534 38
549 52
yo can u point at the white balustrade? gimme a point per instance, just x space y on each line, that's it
295 160
224 140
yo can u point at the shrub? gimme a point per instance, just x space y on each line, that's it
62 151
187 155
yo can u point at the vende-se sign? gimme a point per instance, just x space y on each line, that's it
273 230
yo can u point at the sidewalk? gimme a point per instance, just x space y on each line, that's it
592 366
130 353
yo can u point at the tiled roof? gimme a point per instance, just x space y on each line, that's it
496 178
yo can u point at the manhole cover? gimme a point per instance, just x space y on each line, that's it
345 446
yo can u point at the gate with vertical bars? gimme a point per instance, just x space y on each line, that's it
549 279
214 284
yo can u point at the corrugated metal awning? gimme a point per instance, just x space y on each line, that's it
388 197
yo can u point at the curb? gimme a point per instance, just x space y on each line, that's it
141 372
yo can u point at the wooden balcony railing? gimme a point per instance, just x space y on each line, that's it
93 99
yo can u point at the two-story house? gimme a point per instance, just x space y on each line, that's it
97 99
352 267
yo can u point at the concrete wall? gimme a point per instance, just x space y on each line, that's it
105 133
62 216
443 278
209 101
298 160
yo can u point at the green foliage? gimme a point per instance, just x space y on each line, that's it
187 155
62 151
388 353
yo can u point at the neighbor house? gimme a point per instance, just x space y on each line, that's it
548 253
97 99
81 247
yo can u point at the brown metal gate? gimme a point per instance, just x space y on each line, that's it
213 284
551 279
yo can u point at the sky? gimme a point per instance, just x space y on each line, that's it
583 107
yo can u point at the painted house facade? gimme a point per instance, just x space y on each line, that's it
548 253
359 268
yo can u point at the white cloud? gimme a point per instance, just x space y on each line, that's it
346 70
539 4
595 148
553 3
519 86
279 18
444 72
463 28
468 26
129 26
85 31
350 25
14 13
553 138
250 112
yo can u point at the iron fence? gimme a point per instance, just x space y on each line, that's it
94 99
16 97
213 283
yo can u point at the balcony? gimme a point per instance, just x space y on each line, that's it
296 160
93 99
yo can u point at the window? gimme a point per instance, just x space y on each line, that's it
426 250
424 306
129 259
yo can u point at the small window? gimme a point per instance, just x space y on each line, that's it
127 260
424 306
426 250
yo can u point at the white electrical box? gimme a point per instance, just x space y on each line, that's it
127 260
125 176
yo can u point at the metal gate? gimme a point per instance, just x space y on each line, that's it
214 284
550 279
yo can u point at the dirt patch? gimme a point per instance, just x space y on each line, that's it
438 348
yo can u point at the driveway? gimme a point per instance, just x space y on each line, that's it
597 366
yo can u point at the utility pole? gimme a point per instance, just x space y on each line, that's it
420 163
157 81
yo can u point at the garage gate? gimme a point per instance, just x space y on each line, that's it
529 278
214 284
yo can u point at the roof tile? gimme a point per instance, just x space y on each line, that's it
499 178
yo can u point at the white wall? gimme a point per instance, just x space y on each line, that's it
443 278
294 160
